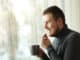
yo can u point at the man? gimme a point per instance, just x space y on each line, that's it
66 43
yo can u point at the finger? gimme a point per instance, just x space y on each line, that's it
45 37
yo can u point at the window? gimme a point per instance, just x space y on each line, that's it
21 27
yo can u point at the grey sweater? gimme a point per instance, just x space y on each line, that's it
68 47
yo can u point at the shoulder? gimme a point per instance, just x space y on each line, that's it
73 38
75 35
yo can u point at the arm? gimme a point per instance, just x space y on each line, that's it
47 47
52 54
72 50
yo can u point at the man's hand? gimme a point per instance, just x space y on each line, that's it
45 43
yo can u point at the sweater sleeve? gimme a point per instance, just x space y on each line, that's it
52 54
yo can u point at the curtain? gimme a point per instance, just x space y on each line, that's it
21 27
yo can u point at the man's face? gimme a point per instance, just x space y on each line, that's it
50 24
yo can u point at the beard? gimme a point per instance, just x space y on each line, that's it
55 32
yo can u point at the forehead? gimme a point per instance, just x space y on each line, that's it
48 17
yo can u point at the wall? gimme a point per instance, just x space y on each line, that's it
72 12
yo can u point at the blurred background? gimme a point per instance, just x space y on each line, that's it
21 25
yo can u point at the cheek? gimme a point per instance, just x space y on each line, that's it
53 26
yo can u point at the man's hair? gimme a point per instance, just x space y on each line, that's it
56 12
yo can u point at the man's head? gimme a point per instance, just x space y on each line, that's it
54 20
